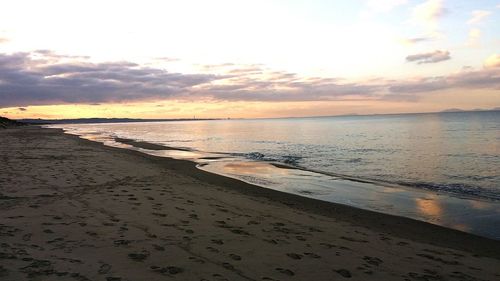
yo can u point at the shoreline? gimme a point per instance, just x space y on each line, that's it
79 210
401 226
410 193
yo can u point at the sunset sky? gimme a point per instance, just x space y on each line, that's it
209 59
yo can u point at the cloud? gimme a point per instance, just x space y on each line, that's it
431 57
474 37
478 16
25 80
43 78
374 7
415 40
49 54
492 61
474 33
33 79
427 16
3 40
486 78
22 109
429 12
167 59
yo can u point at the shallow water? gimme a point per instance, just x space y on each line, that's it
441 168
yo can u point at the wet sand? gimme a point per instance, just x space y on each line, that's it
72 209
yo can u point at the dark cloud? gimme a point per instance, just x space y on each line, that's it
44 78
471 79
480 79
431 57
418 40
22 109
29 81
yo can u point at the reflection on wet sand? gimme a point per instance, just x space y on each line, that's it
429 207
422 205
480 205
178 154
461 226
253 168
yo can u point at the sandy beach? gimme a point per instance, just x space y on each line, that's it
72 209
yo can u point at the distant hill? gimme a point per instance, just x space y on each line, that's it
453 110
99 120
7 123
470 110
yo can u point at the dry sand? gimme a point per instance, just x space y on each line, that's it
72 209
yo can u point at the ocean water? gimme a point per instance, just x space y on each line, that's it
443 168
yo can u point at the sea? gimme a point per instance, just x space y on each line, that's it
442 168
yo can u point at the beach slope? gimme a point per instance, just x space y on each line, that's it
72 209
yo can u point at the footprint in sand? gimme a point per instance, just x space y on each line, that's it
372 260
139 256
217 241
168 270
294 256
27 237
212 249
198 260
300 238
105 268
312 255
235 257
344 273
158 247
219 277
239 231
285 271
271 241
159 214
228 266
353 239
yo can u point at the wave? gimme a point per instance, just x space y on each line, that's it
286 159
457 189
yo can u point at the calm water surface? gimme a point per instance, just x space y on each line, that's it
441 168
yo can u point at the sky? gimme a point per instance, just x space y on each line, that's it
246 59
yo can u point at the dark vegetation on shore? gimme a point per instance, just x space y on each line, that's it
7 123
